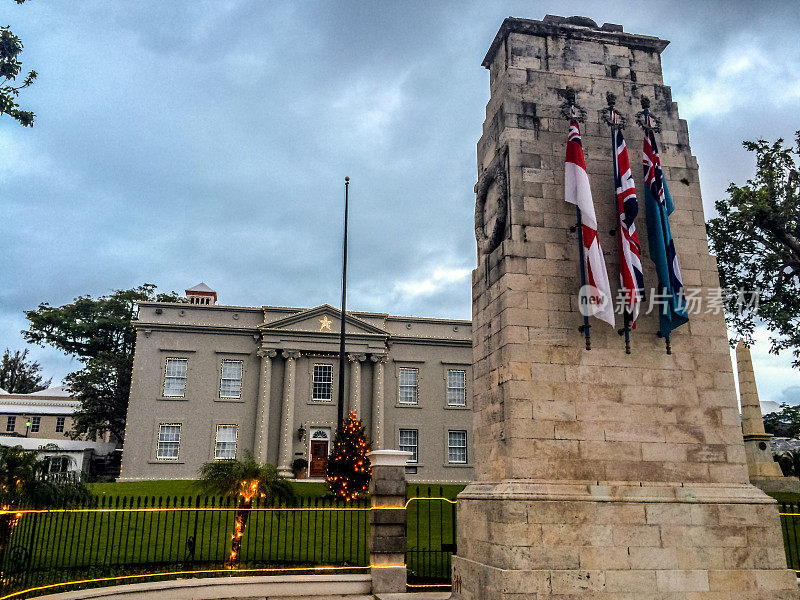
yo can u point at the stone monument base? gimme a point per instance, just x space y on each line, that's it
774 485
619 541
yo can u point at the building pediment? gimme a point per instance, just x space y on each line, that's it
324 320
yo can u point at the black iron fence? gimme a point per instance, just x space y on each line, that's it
790 524
430 535
109 540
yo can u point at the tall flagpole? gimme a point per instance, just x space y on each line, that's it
340 407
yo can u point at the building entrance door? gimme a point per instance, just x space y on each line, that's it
319 458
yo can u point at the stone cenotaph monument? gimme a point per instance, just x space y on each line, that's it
600 474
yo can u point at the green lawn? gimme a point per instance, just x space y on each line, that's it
64 546
183 487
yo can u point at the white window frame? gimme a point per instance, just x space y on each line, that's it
159 443
413 448
230 395
11 423
167 376
452 447
401 386
36 424
222 445
314 382
453 390
61 423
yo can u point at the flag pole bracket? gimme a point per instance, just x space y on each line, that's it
645 119
667 342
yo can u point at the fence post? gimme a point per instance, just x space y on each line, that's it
387 519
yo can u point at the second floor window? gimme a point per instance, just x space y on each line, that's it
409 380
11 424
225 443
169 441
60 424
36 423
409 442
322 389
175 378
230 385
456 388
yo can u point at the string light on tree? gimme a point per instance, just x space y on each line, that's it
349 468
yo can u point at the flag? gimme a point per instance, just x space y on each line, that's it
631 280
577 192
658 202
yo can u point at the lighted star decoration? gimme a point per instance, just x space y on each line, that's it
325 323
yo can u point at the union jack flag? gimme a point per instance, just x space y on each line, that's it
631 280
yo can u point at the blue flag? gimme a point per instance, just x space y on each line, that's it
659 206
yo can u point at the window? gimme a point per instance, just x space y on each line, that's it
11 423
408 443
408 386
456 388
457 446
322 390
225 443
169 441
175 378
230 385
57 464
60 424
36 423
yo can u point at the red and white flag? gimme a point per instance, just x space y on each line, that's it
577 192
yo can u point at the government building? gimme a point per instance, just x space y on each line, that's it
211 382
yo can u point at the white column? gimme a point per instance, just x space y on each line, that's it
377 400
286 444
355 382
262 407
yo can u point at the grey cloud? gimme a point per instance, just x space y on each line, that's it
189 141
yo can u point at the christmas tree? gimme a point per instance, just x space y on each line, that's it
349 470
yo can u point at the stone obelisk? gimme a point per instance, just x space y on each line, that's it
600 474
763 470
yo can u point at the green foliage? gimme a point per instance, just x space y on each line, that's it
22 480
98 332
784 423
244 477
10 68
349 469
20 376
756 240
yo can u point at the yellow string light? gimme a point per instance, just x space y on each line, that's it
196 572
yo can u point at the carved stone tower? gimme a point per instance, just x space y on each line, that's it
599 474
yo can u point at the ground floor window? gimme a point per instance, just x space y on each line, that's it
169 441
225 443
409 442
457 446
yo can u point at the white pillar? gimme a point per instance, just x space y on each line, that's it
287 414
377 400
355 382
262 407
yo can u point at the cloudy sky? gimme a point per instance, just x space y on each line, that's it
184 141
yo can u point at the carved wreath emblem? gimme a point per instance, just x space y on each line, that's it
491 208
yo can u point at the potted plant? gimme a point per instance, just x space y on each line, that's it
299 467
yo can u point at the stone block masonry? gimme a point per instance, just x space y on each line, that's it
599 474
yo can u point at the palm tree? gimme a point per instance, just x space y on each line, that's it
244 480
